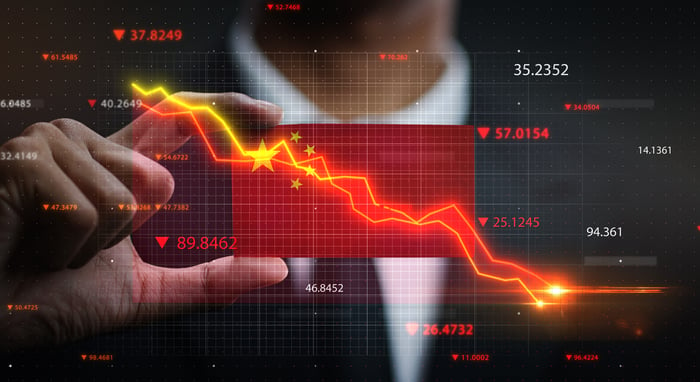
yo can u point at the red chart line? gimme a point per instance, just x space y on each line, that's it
440 216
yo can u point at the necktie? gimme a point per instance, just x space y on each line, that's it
350 336
325 331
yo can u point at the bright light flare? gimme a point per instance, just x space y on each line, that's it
556 290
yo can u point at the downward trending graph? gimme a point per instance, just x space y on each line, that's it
360 195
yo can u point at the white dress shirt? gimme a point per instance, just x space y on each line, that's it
411 287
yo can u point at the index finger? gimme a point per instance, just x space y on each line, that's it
169 124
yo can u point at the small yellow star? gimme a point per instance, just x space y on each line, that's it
296 137
310 171
262 156
296 184
310 150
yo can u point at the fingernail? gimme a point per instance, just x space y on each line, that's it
268 105
276 269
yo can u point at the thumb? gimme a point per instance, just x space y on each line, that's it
218 281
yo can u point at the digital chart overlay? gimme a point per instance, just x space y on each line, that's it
282 169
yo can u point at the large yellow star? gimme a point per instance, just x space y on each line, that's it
296 184
295 137
310 150
263 156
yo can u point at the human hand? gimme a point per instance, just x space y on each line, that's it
79 267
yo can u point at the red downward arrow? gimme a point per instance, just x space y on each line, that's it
454 356
84 356
92 102
269 6
483 221
121 206
162 240
46 206
158 156
567 106
483 131
9 307
568 356
119 33
382 56
411 328
46 56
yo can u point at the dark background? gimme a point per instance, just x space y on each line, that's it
589 174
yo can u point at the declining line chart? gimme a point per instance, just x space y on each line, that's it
364 203
434 191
